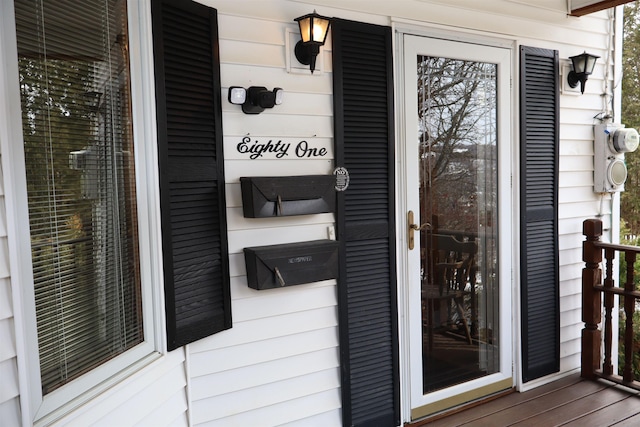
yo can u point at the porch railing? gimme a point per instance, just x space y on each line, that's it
593 289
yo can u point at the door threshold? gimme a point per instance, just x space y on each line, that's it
463 407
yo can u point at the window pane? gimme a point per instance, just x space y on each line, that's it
74 80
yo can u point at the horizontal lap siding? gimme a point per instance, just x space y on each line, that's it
279 364
156 397
576 198
9 391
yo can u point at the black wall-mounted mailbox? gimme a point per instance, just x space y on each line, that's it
276 266
268 196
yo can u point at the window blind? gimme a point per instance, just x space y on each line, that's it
76 118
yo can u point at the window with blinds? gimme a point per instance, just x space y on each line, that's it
76 116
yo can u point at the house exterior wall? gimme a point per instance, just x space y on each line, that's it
284 364
279 364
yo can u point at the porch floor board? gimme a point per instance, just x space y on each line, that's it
570 401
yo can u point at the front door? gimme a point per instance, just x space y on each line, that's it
458 182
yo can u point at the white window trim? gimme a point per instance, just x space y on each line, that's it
35 408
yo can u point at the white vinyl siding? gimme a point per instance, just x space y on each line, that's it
9 392
576 196
280 361
155 396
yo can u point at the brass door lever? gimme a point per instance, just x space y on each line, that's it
413 227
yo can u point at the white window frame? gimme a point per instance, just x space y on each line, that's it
36 408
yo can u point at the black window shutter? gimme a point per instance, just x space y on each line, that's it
189 116
364 144
539 127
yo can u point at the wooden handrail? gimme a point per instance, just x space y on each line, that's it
593 287
617 247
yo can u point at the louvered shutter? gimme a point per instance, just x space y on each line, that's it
364 144
189 116
539 123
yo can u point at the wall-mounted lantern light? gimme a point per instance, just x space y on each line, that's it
313 30
583 65
256 98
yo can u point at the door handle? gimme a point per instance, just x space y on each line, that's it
413 227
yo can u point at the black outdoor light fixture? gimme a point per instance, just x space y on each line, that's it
256 98
313 30
583 65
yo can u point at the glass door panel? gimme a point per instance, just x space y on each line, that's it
457 155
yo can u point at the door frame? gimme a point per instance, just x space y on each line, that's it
509 217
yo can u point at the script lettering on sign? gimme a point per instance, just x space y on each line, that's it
256 149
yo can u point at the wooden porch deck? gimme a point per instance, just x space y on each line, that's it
570 401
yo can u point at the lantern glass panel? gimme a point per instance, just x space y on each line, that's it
305 29
578 63
320 27
590 64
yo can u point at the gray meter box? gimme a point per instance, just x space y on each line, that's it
276 266
264 196
611 142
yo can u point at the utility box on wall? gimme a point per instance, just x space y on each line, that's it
610 142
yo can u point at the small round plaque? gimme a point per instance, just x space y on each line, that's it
342 178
